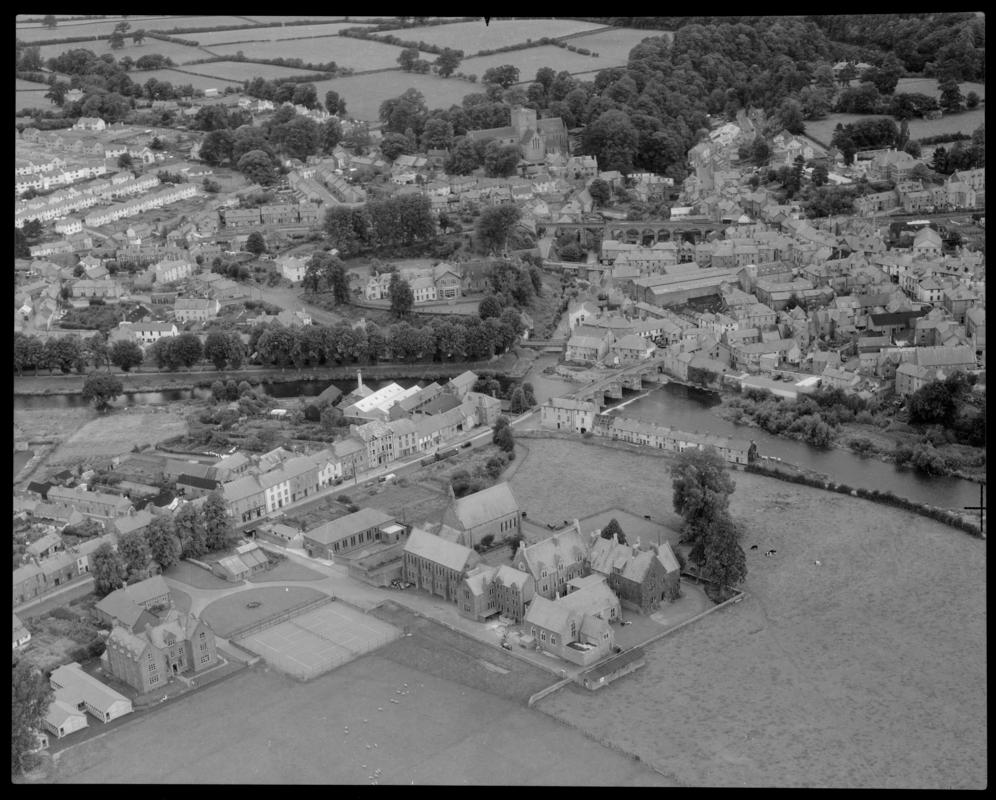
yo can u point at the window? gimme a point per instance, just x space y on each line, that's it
154 679
202 636
543 636
205 658
553 639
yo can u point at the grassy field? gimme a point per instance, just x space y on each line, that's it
613 46
275 33
472 37
31 99
180 53
198 577
455 722
866 669
118 432
530 60
964 122
238 71
182 78
230 613
353 53
21 85
295 17
364 93
32 33
929 86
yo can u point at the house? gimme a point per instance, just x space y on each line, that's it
347 533
83 692
21 634
565 413
125 606
63 718
576 626
462 383
588 344
46 546
487 591
90 504
293 269
195 309
490 512
247 561
632 348
554 562
911 378
148 659
835 378
435 565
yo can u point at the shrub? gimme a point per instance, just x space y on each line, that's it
487 540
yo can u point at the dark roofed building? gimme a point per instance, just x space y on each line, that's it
195 486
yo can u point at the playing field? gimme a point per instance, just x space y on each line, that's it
379 718
275 33
238 71
357 54
364 93
472 37
531 59
320 640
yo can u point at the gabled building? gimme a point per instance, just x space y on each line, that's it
346 534
435 565
554 562
490 512
82 692
565 413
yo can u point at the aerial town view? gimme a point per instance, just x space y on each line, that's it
500 401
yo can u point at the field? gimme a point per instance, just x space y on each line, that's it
867 668
180 53
118 432
31 34
456 721
364 93
472 37
320 640
238 71
532 59
356 54
964 122
230 613
295 17
197 577
181 78
31 99
613 46
270 34
929 86
21 85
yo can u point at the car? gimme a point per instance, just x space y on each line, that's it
254 604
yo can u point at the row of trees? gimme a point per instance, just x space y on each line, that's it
394 221
191 532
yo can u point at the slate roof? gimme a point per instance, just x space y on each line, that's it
349 525
426 545
550 615
562 548
78 686
484 506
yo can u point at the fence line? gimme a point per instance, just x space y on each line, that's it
283 616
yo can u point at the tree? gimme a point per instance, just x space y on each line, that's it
464 158
331 418
490 306
501 160
218 529
494 226
49 21
613 139
518 401
334 103
504 439
530 394
447 61
407 58
164 546
600 191
951 97
258 167
971 100
108 570
96 348
394 145
216 147
701 487
932 404
724 560
329 135
305 94
116 40
503 76
437 135
790 116
613 528
402 299
134 551
188 525
188 349
57 92
101 389
138 36
256 244
30 697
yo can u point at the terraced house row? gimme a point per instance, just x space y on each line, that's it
163 197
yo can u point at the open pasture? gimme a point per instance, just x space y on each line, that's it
271 34
857 659
472 37
613 45
357 54
315 642
182 78
929 86
33 33
964 122
21 85
31 99
238 71
179 53
364 93
276 20
530 60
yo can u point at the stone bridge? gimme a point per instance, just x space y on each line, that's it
632 378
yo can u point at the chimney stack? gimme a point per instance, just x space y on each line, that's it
359 380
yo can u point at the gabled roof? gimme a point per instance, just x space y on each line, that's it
349 525
484 506
450 555
150 588
550 615
562 548
79 686
119 606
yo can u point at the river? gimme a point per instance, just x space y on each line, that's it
681 407
688 409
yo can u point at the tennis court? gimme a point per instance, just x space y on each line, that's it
320 640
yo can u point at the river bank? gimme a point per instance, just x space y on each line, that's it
156 381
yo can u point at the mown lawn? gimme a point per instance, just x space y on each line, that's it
230 613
